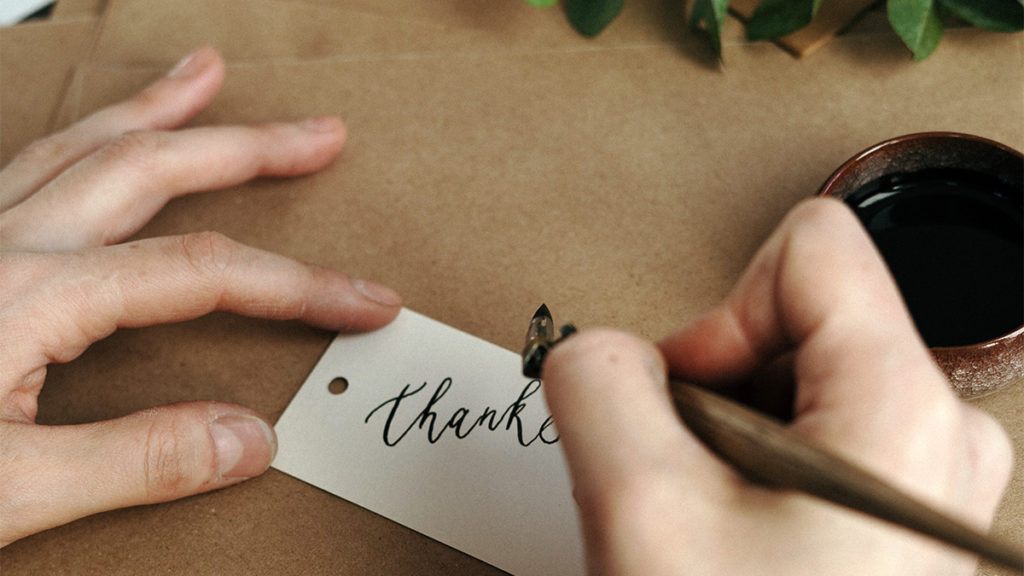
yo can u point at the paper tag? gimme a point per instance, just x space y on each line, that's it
12 11
438 430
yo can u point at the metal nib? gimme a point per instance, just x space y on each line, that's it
540 337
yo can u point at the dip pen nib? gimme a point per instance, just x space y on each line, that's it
540 337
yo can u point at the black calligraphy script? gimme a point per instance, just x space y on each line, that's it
461 421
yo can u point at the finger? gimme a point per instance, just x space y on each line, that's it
166 103
56 305
112 193
866 384
54 475
818 284
620 433
989 468
865 380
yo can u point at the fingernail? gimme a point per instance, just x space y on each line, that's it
378 293
321 124
189 65
245 445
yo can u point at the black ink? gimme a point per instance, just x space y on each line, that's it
548 423
396 400
461 422
952 239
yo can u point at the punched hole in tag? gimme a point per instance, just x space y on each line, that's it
338 385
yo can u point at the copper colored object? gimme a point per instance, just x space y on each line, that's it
978 367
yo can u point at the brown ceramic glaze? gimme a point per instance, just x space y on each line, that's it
975 369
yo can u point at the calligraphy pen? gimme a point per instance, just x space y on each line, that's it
763 450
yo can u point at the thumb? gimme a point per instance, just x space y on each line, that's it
608 396
52 475
647 491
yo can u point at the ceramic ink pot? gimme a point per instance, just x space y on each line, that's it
945 211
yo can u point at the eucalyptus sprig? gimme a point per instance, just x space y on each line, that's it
919 23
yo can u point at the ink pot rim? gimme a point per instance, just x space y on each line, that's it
981 368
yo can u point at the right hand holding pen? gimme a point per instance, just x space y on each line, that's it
653 500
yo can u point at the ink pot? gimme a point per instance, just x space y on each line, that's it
946 210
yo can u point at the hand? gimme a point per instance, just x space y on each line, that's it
64 204
653 500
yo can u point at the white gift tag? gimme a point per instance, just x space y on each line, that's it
439 431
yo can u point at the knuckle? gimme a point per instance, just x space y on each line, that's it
45 150
210 254
990 452
172 467
136 149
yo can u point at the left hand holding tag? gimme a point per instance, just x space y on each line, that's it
61 202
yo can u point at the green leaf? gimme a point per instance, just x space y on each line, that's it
542 3
590 17
774 18
995 15
709 16
918 23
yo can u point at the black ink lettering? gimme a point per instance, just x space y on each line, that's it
428 412
518 406
461 422
456 421
391 415
489 413
548 423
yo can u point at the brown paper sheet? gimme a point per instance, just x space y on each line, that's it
64 9
650 176
145 31
141 31
36 61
